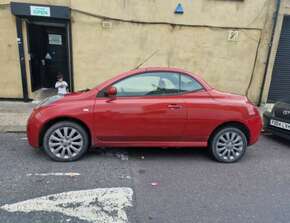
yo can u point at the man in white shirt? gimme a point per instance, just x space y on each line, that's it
61 85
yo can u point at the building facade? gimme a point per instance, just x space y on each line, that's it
277 80
227 42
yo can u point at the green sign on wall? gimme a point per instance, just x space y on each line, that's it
40 11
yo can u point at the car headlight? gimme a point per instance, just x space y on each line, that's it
269 107
49 100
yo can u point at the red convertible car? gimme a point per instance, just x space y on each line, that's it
151 107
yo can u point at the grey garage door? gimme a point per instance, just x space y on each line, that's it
280 84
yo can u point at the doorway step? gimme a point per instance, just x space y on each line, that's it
43 93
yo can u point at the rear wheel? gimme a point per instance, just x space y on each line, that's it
65 141
228 145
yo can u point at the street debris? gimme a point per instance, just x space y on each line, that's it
154 184
141 171
120 155
123 157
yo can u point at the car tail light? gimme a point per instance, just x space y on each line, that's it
252 109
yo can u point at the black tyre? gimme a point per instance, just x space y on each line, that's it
65 141
228 145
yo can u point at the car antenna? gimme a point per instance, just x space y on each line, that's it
148 58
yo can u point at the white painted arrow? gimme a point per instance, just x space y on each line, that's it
106 205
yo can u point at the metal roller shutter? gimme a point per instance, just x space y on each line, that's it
280 84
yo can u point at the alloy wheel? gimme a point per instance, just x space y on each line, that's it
230 146
65 142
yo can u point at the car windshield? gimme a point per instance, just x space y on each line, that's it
284 100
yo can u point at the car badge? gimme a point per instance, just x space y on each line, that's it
286 112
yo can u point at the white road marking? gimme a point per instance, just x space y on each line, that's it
71 174
125 177
106 205
24 138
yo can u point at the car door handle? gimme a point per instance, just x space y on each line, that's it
174 106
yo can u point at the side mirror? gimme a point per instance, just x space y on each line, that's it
111 92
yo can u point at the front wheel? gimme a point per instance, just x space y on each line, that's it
228 145
65 141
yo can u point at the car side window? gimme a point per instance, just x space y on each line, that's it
188 84
146 84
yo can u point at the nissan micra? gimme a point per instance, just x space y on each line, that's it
151 107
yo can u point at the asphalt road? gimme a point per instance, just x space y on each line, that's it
187 185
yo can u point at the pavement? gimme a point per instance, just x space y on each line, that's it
144 185
14 115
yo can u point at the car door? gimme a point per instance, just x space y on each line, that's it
147 107
201 118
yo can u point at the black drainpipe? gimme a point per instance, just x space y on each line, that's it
21 58
275 18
